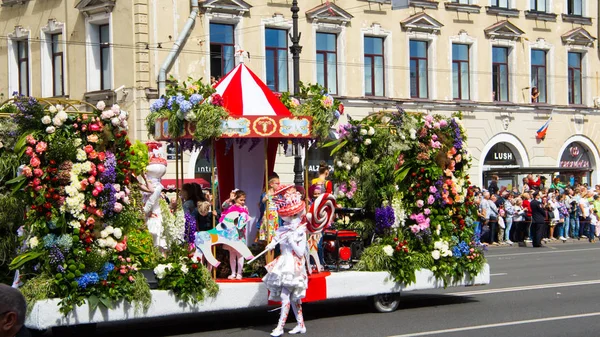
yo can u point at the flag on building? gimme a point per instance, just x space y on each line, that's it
541 133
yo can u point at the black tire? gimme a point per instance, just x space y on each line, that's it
385 303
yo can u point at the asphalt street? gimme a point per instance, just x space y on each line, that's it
549 291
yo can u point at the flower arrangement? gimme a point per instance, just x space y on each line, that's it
76 181
189 102
412 173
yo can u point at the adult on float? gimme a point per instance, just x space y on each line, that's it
326 185
287 279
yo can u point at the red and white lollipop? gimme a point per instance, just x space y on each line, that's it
321 213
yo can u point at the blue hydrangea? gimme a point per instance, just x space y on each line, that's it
185 106
179 99
462 248
157 105
337 114
170 103
87 279
65 242
195 99
108 267
49 241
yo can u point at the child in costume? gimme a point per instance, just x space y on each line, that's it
239 206
286 279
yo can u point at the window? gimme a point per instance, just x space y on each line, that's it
23 66
575 7
501 3
374 66
222 49
539 5
418 69
277 59
460 71
500 74
327 61
538 76
464 2
575 78
58 84
105 75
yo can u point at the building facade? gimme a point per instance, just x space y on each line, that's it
507 65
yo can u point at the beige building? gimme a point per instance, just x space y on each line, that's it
508 65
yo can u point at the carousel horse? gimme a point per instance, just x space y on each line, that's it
226 233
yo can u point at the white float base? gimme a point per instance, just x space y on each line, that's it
240 295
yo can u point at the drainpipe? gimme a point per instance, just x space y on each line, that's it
176 50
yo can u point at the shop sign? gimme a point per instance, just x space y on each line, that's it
575 156
500 154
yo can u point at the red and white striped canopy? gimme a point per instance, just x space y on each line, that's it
244 94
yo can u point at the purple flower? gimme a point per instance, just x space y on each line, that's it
107 200
384 219
190 228
110 174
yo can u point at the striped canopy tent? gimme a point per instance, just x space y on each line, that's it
246 96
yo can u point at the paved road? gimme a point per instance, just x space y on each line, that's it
550 291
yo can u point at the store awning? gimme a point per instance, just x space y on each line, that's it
170 184
536 170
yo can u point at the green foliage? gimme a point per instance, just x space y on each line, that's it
61 146
140 243
38 288
138 157
208 119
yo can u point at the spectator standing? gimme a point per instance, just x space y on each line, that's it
527 207
557 185
553 214
509 209
563 217
12 311
493 186
538 219
584 218
526 186
534 184
593 225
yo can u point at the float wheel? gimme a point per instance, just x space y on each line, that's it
385 302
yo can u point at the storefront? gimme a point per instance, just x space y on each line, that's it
576 164
314 157
500 158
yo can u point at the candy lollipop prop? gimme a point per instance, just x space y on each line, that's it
321 213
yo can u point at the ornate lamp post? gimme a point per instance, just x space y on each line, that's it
296 49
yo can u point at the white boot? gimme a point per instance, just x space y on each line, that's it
300 328
285 310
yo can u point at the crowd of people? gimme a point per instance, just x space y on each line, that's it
536 213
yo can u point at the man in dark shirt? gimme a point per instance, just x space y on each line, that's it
538 218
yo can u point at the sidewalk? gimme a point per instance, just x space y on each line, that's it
528 243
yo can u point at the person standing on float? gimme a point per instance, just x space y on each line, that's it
287 279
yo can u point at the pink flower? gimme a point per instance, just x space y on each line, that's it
432 189
415 229
118 207
92 138
36 182
420 203
34 162
435 144
101 157
88 149
122 271
131 279
458 158
430 199
443 123
29 151
41 147
121 246
95 127
31 140
128 259
27 171
38 172
90 221
426 211
429 118
434 137
436 125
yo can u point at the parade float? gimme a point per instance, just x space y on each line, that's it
86 237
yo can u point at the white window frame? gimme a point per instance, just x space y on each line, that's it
465 38
236 21
512 65
278 22
586 78
340 32
92 39
542 44
549 4
584 8
19 34
432 59
376 31
512 4
53 27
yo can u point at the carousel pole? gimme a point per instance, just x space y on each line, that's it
270 254
296 49
214 195
176 171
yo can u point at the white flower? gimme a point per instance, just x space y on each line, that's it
116 109
107 114
115 121
340 163
109 229
126 200
371 131
62 115
123 115
435 254
368 141
388 250
75 224
101 243
437 245
124 124
348 167
104 234
446 253
355 160
110 242
52 109
33 242
363 132
161 270
118 233
341 194
403 137
50 129
184 268
46 120
1 145
60 107
117 187
77 142
81 156
385 120
413 134
100 105
56 121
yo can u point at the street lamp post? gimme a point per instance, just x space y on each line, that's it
296 49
